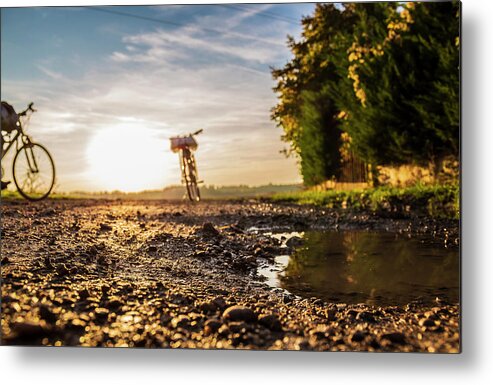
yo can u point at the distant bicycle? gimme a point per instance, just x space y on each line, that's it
33 169
185 145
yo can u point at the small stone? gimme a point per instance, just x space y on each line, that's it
287 298
208 307
220 302
62 270
105 227
358 336
29 330
201 254
271 322
101 313
46 314
396 338
5 261
181 321
239 313
115 304
84 294
212 326
294 241
209 229
223 331
331 314
427 322
237 327
365 317
105 289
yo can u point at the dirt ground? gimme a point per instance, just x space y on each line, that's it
176 275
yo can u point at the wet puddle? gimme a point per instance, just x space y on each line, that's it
376 268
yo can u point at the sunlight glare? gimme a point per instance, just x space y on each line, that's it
131 158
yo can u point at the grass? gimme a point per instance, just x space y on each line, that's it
432 200
13 195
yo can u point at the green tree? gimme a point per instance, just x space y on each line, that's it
305 111
408 75
385 73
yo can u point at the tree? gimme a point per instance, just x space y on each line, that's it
386 74
305 111
408 107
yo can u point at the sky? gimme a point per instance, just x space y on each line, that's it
111 89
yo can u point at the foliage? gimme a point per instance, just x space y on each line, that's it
386 73
305 111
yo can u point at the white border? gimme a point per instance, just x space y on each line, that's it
83 366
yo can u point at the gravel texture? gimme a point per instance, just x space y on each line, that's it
176 275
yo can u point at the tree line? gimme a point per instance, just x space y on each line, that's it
380 79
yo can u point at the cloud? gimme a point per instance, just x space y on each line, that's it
52 74
189 42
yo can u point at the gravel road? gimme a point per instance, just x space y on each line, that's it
176 275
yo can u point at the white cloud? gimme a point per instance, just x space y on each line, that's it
52 74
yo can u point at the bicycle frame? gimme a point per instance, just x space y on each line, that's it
26 142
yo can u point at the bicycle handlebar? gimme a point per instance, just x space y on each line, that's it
29 108
197 132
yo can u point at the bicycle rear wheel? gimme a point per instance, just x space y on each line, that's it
191 178
33 171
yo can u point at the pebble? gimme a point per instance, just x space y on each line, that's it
396 338
210 230
46 314
427 322
294 241
212 326
358 336
271 322
29 329
181 321
105 227
239 313
62 270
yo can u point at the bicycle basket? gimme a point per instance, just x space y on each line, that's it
178 144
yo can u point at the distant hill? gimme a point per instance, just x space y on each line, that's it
206 192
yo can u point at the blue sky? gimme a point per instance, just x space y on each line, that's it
95 76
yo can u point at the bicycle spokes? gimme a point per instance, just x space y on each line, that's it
31 159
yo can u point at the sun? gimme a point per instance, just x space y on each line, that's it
129 158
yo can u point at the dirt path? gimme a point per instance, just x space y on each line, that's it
161 274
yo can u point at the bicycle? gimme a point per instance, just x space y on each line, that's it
33 169
185 145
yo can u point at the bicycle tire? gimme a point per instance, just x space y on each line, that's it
25 177
190 174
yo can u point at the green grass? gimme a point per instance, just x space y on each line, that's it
7 194
434 200
13 195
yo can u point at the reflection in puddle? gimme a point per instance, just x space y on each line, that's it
365 267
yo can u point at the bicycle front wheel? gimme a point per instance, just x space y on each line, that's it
33 171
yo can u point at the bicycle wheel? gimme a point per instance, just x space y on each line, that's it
190 173
33 171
